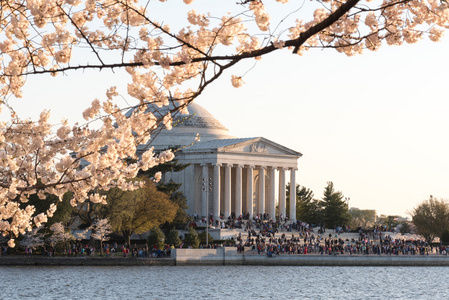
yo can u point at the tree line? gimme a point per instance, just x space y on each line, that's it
161 209
330 212
430 218
125 213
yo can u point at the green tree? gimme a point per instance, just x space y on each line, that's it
156 237
137 211
192 238
310 211
202 237
181 217
169 166
171 189
173 238
335 209
307 209
363 218
390 221
405 228
431 218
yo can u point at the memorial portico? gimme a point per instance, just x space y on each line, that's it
243 174
246 173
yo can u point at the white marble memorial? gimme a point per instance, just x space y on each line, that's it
242 170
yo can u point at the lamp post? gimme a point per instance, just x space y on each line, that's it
347 202
207 187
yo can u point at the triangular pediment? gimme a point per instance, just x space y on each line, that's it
253 146
260 146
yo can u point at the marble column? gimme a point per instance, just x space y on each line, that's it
190 184
238 190
272 195
227 191
282 192
205 190
261 208
292 215
250 191
216 190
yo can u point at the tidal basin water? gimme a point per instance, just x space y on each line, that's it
224 282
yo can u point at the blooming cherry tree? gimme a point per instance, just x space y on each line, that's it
33 239
59 235
167 68
100 230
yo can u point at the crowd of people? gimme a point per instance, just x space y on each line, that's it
277 237
264 237
77 249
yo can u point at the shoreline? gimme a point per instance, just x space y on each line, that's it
230 259
83 261
229 256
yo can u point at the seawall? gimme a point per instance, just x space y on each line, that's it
84 261
228 256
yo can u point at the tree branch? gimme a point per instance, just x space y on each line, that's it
334 17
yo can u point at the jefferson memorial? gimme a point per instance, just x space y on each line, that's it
227 174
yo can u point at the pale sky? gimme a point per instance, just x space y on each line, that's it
375 124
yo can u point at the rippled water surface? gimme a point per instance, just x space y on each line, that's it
224 282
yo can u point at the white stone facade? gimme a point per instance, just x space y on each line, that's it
241 172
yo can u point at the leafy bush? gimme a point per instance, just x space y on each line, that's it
173 238
192 239
156 237
202 237
405 228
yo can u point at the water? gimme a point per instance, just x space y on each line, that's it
224 282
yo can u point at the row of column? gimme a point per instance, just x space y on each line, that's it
261 197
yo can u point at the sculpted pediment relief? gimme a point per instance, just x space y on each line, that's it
259 146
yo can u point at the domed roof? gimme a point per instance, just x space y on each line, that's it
198 117
186 127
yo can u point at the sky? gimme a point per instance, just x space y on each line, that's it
376 124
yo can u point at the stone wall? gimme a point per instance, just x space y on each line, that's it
199 256
83 261
229 256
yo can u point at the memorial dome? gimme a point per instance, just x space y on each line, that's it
187 126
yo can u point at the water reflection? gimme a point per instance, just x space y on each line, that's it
223 282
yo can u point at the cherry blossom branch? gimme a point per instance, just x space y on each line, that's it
336 15
296 43
82 33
